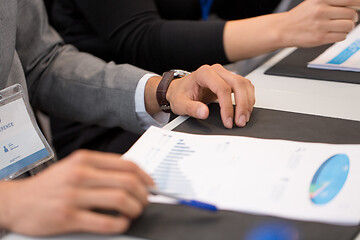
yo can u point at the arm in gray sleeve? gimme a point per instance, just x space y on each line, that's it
66 83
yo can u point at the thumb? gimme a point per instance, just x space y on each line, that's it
192 108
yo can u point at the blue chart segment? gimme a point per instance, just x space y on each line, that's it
347 53
168 175
329 179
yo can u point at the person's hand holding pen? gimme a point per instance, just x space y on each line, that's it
85 180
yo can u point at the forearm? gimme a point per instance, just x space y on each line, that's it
164 45
139 36
310 24
254 36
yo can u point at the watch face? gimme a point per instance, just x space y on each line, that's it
180 73
165 108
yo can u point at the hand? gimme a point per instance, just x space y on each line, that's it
189 95
317 22
60 199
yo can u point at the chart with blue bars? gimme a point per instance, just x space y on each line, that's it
346 53
168 175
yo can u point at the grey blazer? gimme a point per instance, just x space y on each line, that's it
60 80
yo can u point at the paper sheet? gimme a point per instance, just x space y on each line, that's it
272 177
344 55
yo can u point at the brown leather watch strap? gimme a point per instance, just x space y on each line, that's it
162 90
164 85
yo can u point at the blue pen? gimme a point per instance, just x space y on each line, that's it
190 203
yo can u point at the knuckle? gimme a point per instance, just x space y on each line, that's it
318 10
64 213
204 68
76 175
130 166
350 25
241 81
315 29
132 181
318 26
188 109
107 226
68 197
248 81
226 90
120 197
217 66
320 37
80 156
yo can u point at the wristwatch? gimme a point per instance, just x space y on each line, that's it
163 86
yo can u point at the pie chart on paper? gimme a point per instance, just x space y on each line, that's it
329 179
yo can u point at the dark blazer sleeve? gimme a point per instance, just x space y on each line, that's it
138 35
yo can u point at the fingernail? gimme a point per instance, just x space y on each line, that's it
355 18
242 120
229 122
247 117
201 113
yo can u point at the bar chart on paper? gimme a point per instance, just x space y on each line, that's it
168 175
165 159
317 178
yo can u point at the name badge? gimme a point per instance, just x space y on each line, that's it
22 145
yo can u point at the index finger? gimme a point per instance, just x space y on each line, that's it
344 3
112 161
243 91
209 78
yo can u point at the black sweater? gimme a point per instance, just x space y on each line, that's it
155 35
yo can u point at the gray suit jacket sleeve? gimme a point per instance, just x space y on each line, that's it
66 83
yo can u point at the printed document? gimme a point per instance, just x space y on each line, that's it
344 55
304 181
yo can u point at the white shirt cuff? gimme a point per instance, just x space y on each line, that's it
146 120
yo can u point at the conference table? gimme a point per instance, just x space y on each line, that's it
334 101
